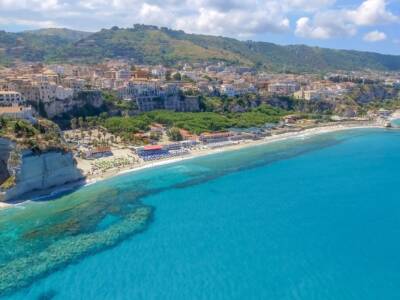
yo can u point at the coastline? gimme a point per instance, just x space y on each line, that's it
304 133
245 144
4 205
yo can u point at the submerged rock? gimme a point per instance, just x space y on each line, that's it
24 270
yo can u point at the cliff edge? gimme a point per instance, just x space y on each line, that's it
33 157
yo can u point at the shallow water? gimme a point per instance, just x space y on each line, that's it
395 123
304 219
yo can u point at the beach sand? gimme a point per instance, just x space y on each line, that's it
203 152
5 205
395 115
248 143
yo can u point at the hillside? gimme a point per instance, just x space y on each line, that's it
62 33
153 45
36 45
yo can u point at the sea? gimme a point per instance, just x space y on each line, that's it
313 217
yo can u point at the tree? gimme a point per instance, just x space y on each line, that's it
17 128
3 123
155 136
168 75
81 122
74 123
103 115
177 76
174 134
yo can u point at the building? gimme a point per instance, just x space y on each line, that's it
157 128
141 74
8 98
18 112
99 152
159 72
307 94
63 93
133 90
215 137
187 136
182 103
123 74
283 88
151 150
228 90
384 113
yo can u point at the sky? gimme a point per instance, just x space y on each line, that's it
369 25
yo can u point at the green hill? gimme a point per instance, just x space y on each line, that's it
36 45
62 33
153 45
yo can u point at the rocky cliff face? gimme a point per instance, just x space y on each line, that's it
6 147
373 92
38 172
89 100
305 106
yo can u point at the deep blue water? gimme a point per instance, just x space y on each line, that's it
306 219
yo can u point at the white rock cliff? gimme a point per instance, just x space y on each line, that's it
40 172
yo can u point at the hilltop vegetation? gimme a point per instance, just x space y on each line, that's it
193 122
39 137
153 45
37 45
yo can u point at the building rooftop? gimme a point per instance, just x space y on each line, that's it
152 147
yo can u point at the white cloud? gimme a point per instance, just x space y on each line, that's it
308 5
25 22
344 22
320 19
33 5
305 29
227 17
154 14
325 25
235 21
374 36
371 12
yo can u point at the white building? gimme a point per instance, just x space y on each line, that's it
63 93
8 98
228 90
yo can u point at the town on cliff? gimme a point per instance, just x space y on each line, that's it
68 123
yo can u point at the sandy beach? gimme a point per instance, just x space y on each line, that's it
244 144
395 115
5 205
198 153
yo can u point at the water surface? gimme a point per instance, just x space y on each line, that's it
304 219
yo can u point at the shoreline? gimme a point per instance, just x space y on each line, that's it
305 133
242 145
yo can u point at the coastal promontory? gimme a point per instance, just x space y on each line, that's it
33 157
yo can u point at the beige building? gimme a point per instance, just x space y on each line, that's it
19 112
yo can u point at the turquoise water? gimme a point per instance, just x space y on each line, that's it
396 122
317 218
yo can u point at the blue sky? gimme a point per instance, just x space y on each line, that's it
371 25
